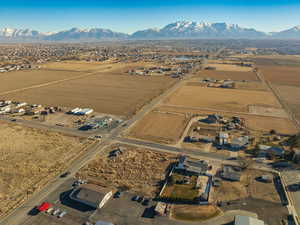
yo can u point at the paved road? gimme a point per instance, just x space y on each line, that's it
172 148
20 214
39 125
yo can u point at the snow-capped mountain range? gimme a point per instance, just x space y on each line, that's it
179 30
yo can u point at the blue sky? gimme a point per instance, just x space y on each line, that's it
129 16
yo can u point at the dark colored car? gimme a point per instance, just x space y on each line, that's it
146 202
65 174
117 194
135 198
140 199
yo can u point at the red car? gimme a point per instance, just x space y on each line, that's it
43 207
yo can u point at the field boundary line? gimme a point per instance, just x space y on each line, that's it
48 83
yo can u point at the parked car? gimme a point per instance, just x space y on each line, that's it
135 198
50 210
140 199
43 207
146 202
55 212
117 194
62 214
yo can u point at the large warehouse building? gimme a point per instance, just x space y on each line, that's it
91 195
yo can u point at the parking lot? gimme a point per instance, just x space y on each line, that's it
120 211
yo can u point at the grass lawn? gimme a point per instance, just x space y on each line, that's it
178 191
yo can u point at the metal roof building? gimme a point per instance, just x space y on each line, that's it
247 220
91 195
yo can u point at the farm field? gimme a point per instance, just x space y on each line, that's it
162 127
279 60
27 78
290 95
233 75
229 67
81 66
287 75
221 99
118 94
281 125
30 158
137 169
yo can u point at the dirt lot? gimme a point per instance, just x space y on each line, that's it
29 159
27 78
289 75
247 187
221 99
162 127
118 94
139 169
229 67
290 94
281 125
233 75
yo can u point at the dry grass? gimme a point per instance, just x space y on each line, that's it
194 212
290 95
29 158
138 169
27 78
247 187
161 127
230 67
261 190
289 75
233 75
221 99
82 66
118 94
281 125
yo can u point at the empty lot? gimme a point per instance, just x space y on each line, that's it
118 94
29 158
221 99
138 169
162 127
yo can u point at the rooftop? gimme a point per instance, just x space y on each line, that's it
90 193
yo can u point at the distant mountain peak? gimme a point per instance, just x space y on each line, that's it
181 29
